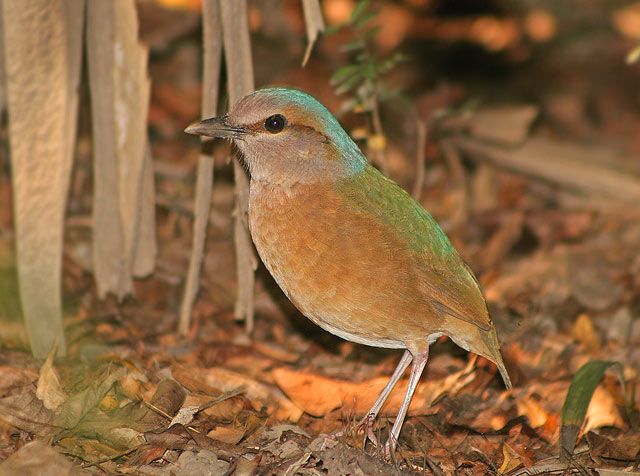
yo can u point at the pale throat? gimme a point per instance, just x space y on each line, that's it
300 168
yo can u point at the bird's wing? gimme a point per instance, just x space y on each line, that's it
459 296
447 283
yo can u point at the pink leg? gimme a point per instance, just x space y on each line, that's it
386 391
419 361
371 415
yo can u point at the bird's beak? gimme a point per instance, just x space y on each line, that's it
216 127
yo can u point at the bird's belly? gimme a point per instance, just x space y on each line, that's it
316 289
331 278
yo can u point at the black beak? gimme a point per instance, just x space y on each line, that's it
216 127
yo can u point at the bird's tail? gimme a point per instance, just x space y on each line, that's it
485 343
493 354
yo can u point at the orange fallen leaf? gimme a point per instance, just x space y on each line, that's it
133 385
602 411
530 408
584 332
108 403
318 395
227 434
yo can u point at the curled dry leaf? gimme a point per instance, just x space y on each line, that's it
511 460
314 24
49 389
184 416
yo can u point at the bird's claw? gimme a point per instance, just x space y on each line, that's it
367 422
389 448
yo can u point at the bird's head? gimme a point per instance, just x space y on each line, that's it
286 137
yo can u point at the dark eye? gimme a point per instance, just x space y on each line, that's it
275 123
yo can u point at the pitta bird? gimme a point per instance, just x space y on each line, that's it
350 248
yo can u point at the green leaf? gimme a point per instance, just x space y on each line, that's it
344 73
370 71
349 84
362 21
370 33
388 64
333 29
352 46
363 57
361 7
577 401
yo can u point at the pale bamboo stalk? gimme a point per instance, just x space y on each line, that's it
204 184
237 48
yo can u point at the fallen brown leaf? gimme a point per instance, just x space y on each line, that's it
37 459
584 332
21 408
49 389
534 412
226 410
319 395
511 460
622 450
260 394
227 434
602 411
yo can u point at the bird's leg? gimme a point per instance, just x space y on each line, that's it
386 391
419 361
371 415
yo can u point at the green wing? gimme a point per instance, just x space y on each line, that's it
447 282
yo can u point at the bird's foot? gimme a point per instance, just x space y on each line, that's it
366 424
389 448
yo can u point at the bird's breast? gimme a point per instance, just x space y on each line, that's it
337 266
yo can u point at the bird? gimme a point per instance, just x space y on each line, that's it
351 249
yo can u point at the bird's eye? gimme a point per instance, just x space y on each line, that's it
275 123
